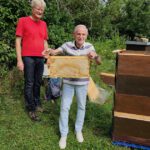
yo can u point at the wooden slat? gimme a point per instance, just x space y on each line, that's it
131 116
132 104
108 78
133 85
68 66
132 129
137 65
133 53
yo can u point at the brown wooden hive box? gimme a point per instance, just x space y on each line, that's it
131 114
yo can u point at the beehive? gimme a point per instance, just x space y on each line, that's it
131 121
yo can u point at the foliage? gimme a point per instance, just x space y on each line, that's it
135 19
105 20
16 82
60 24
7 55
10 12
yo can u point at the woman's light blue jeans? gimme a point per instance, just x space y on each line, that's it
67 96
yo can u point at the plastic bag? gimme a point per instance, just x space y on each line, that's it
97 94
103 96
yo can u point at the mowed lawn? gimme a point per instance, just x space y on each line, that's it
18 132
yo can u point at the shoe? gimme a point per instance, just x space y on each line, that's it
79 137
62 142
39 109
33 116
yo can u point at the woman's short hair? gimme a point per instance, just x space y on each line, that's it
37 3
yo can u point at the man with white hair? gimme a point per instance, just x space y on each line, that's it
31 40
72 86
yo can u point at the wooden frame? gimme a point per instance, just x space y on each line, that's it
68 66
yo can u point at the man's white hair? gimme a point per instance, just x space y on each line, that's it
80 26
38 3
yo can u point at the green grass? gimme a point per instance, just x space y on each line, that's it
18 132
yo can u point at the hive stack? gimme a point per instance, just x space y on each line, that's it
131 121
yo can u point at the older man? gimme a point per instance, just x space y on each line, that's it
72 86
31 40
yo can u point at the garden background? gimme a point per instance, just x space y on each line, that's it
111 23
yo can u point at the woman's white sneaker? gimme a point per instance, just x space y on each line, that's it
62 142
79 137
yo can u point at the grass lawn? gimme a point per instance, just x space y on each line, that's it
18 132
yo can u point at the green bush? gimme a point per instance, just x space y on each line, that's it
105 20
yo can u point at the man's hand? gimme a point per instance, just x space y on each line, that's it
55 52
20 65
98 60
46 53
92 55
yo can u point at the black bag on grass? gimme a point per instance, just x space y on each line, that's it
53 91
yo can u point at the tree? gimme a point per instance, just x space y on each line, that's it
135 19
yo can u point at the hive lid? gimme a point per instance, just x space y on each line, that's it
137 43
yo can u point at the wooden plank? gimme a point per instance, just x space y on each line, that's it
133 85
138 65
131 116
132 52
132 104
131 130
68 66
108 78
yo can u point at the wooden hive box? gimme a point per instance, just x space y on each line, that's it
131 121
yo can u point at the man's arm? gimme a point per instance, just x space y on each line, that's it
55 52
20 64
45 45
46 51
